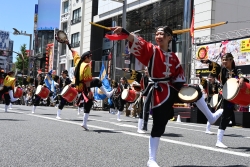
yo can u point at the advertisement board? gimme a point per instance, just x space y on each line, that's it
240 49
4 40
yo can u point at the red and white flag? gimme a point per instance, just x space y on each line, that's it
192 28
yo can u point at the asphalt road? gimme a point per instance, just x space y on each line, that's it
40 140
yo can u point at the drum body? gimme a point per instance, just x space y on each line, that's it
42 92
234 94
129 95
188 94
214 101
69 93
18 92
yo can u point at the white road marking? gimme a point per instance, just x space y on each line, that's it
146 136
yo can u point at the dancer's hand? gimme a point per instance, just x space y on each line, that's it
241 81
117 29
126 69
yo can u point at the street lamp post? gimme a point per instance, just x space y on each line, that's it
16 32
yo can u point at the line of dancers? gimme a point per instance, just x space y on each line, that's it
155 90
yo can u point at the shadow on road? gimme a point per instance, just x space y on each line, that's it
11 120
95 115
233 135
49 114
241 148
211 166
172 135
104 131
77 120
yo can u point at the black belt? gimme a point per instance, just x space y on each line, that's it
152 84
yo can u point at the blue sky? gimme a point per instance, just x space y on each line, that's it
18 14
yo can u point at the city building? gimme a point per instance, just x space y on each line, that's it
232 37
141 15
46 24
6 57
74 20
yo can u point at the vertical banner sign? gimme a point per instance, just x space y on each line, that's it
4 40
51 57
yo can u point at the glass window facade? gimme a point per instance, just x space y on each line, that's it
75 40
65 6
148 18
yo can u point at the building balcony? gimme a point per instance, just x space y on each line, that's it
75 45
77 20
65 17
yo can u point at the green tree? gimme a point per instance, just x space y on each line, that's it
22 65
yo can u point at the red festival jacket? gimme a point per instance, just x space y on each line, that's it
161 65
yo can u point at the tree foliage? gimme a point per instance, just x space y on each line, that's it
22 65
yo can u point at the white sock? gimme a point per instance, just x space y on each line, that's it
12 96
34 108
58 113
85 119
201 104
140 121
208 126
118 114
153 146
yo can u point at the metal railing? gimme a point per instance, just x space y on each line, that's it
77 20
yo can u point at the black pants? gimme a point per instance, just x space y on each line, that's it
62 103
4 90
163 113
7 99
36 100
119 103
227 115
87 106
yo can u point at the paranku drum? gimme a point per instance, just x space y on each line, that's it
42 92
61 36
18 92
214 100
69 93
236 95
129 95
188 94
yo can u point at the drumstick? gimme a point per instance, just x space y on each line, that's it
98 25
118 68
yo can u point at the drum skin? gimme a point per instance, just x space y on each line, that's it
188 94
69 93
234 94
18 92
42 92
129 95
214 100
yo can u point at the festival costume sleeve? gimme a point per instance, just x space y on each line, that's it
142 50
76 57
214 67
87 75
178 76
9 82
